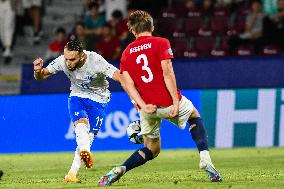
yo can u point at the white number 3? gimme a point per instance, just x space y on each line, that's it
145 67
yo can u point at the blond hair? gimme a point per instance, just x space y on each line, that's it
140 21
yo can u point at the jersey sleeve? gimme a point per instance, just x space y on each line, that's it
123 63
56 65
165 50
105 67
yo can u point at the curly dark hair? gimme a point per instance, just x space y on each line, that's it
74 45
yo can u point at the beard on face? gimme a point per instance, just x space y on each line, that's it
71 69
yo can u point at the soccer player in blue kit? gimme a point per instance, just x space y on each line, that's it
88 99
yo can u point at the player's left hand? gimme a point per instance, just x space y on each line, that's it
173 111
149 108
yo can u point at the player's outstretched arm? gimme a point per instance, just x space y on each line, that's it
170 81
128 85
40 72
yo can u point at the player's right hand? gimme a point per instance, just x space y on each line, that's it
38 64
173 111
149 108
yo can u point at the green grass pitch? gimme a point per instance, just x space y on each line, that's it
241 168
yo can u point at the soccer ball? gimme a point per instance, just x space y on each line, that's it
132 131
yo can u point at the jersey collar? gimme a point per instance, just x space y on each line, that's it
142 37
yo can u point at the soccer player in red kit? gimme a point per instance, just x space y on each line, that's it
150 81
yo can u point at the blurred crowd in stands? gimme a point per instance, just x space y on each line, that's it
224 27
196 28
101 26
12 17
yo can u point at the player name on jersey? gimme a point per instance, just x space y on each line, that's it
140 47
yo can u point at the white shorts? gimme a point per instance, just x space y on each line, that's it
31 3
151 123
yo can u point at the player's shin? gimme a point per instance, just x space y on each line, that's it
82 136
199 135
76 164
138 158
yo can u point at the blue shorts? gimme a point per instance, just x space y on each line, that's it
86 108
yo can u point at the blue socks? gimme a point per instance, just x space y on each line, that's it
138 158
198 133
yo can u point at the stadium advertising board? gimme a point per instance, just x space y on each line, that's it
244 117
233 118
41 123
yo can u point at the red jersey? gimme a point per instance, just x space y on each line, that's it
142 60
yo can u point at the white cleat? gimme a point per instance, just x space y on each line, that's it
212 172
112 176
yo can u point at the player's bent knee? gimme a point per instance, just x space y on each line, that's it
81 120
194 114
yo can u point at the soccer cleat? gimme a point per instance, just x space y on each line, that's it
86 158
111 176
71 177
212 172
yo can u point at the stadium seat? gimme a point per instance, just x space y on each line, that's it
167 26
192 25
245 50
219 25
179 45
194 13
180 9
168 13
190 53
204 45
219 52
270 50
179 34
220 12
205 31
